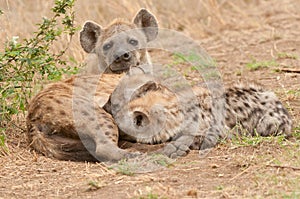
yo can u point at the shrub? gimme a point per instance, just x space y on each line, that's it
32 60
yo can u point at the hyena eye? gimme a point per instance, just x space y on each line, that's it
107 46
133 42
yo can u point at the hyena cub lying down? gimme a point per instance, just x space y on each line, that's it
155 114
62 111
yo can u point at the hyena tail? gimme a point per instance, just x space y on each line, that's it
58 146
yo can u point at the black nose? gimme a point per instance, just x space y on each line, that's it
122 57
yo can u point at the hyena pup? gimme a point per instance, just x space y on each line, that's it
67 120
154 114
120 45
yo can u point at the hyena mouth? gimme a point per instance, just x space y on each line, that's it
120 68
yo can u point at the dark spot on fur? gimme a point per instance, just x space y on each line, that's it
269 128
239 93
263 103
246 104
107 133
238 109
191 109
97 127
227 100
110 126
85 113
92 119
195 118
282 127
49 108
266 97
271 114
62 112
57 101
244 119
227 118
234 100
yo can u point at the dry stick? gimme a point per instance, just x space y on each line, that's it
289 70
258 167
283 166
241 173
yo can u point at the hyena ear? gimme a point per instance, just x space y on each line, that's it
89 36
145 88
144 19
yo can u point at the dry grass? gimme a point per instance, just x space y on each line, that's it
199 19
233 32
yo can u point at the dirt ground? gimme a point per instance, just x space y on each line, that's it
253 168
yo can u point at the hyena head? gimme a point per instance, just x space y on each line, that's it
122 44
152 113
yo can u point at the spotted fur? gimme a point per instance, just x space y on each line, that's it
155 114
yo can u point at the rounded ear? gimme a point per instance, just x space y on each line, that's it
147 21
145 88
89 35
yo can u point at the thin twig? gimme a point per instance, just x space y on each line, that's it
289 70
241 173
283 166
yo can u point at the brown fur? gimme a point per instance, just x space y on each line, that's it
63 110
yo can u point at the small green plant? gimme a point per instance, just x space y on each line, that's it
149 196
94 185
293 195
198 62
255 65
32 60
124 167
296 132
294 92
285 55
3 148
243 138
220 187
161 160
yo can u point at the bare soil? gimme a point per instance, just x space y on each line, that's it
268 169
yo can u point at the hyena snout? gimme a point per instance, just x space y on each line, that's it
122 56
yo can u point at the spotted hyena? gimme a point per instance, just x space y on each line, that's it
154 113
120 45
69 117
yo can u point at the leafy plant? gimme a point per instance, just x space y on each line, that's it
255 65
32 59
